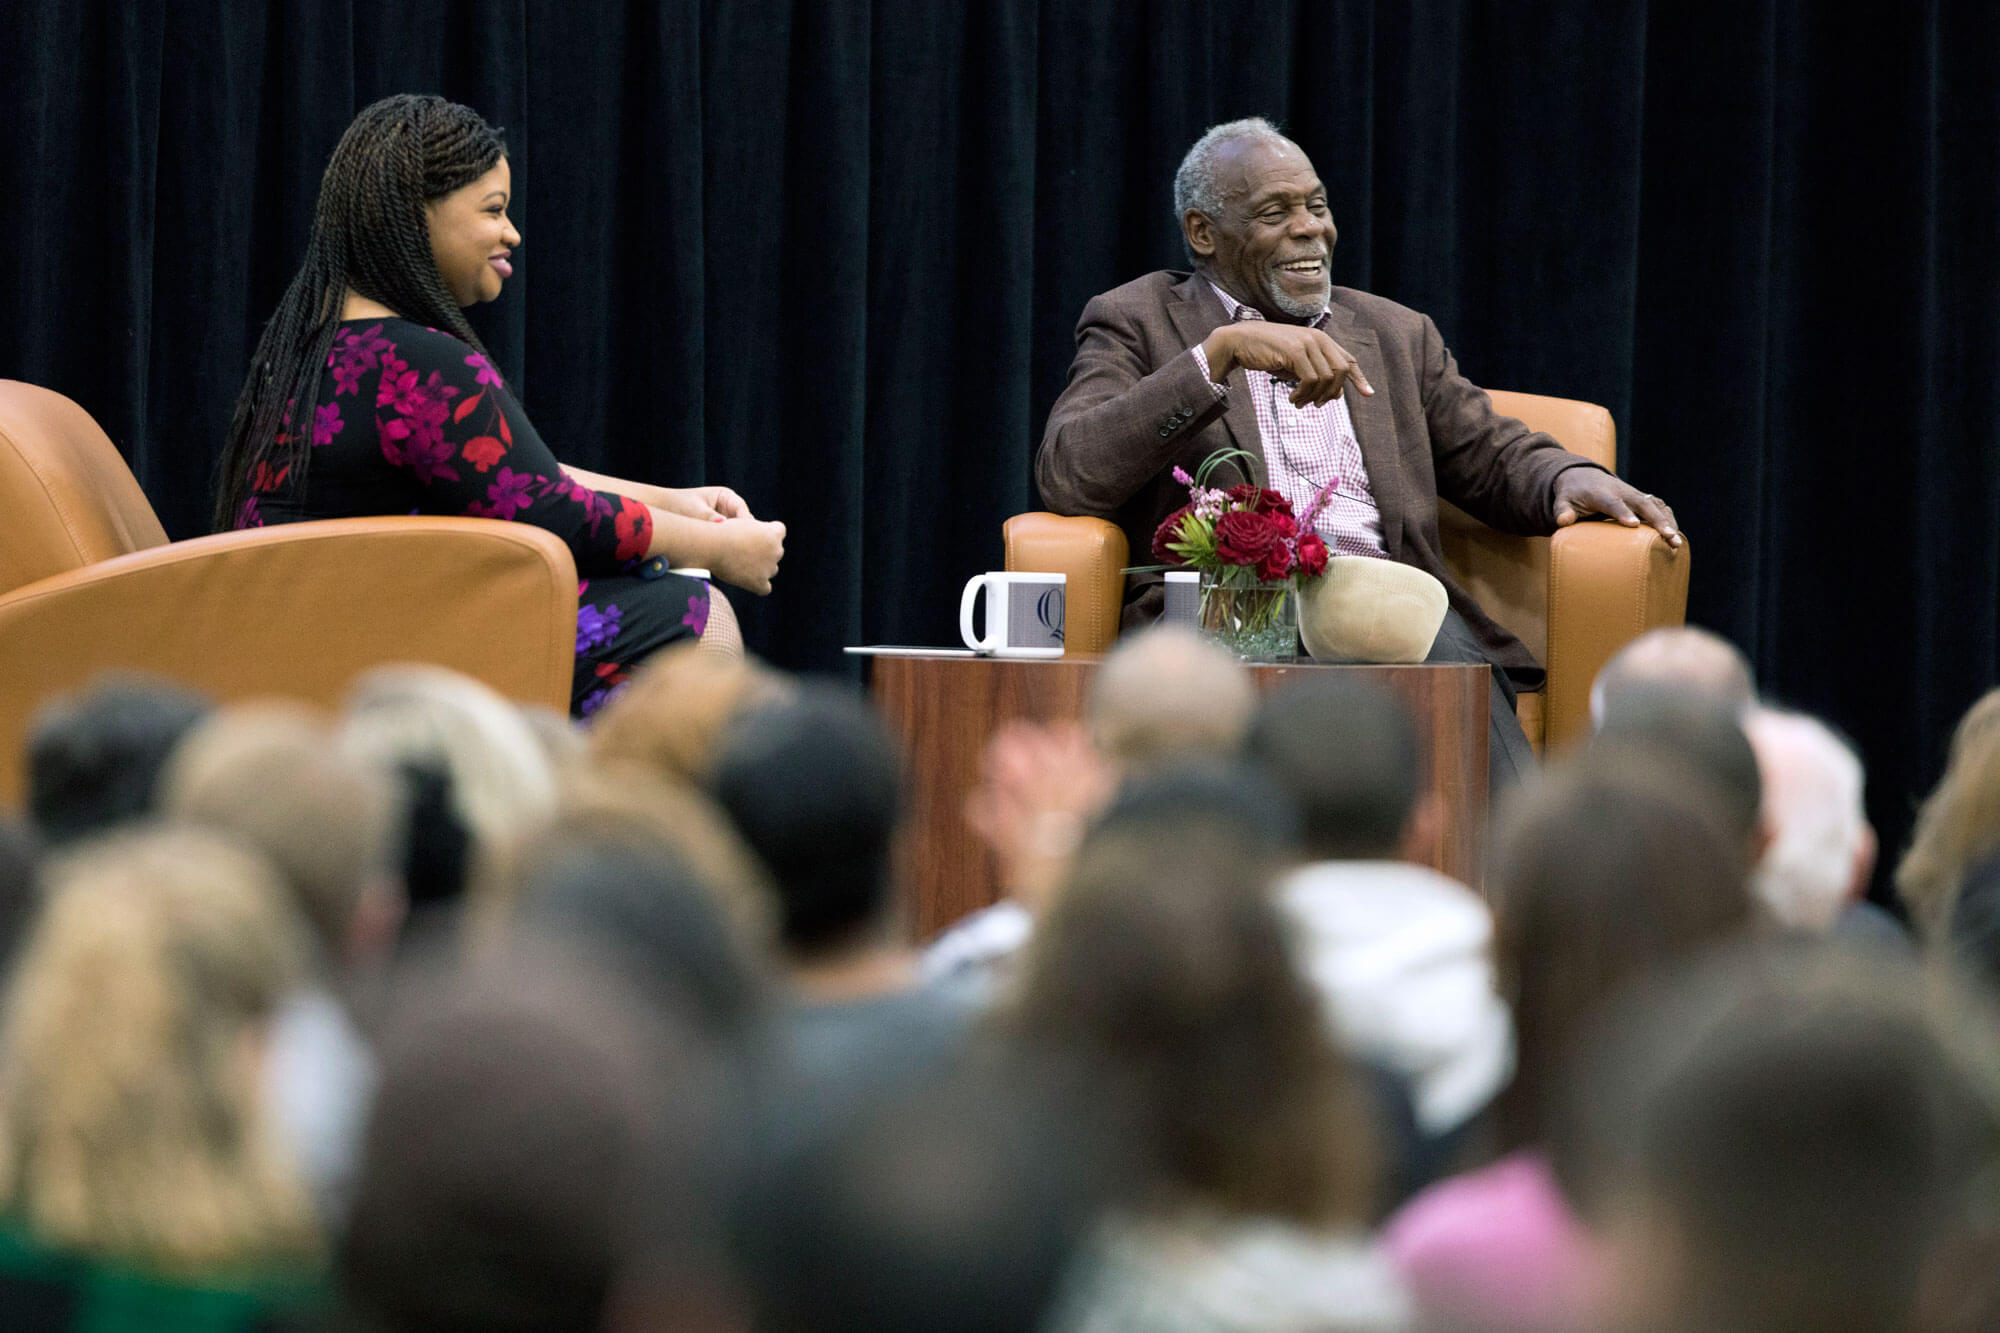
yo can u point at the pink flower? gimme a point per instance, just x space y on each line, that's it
487 375
326 423
508 495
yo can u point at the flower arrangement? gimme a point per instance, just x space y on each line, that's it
1251 550
1244 528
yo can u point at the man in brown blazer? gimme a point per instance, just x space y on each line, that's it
1255 342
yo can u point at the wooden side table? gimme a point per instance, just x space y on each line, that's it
945 708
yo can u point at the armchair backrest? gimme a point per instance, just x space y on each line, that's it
67 498
1509 576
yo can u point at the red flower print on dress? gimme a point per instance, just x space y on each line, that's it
509 493
483 451
634 526
264 478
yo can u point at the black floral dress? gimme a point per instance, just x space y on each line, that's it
412 421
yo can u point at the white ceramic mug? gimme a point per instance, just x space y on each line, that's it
1024 613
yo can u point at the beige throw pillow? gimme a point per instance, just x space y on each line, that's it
1365 609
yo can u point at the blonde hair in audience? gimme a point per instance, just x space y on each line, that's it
671 716
270 774
1959 822
501 776
132 1122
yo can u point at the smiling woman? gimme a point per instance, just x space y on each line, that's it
370 394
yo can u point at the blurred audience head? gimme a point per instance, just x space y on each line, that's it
1822 848
672 715
535 1118
957 1205
1682 657
814 785
627 806
645 907
1168 693
1971 937
1959 823
1347 752
20 888
273 777
132 1117
1779 1140
1606 869
472 770
1165 970
94 757
1706 740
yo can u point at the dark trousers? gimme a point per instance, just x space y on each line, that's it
1509 757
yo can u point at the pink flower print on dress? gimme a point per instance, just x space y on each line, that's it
398 382
696 618
487 375
509 493
326 424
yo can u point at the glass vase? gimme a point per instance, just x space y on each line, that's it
1256 620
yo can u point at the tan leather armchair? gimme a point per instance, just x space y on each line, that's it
1574 598
89 582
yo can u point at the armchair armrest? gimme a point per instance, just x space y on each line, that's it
297 610
1092 552
1608 584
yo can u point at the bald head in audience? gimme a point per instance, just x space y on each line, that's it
1168 693
1822 848
1685 658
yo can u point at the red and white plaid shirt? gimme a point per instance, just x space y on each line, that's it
1305 446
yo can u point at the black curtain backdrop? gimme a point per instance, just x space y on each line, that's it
832 254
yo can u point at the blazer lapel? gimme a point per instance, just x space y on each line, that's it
1374 425
1196 312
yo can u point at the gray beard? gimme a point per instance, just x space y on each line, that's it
1293 306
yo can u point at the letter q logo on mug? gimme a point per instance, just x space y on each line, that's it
1024 614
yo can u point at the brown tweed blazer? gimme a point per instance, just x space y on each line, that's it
1137 405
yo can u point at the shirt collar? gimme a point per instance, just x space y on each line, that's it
1236 310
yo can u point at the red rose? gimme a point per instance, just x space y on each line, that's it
1312 555
1169 531
1275 565
1287 526
1262 499
1243 537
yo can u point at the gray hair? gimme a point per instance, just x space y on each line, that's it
1195 185
1813 810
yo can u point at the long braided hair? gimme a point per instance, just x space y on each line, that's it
369 233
